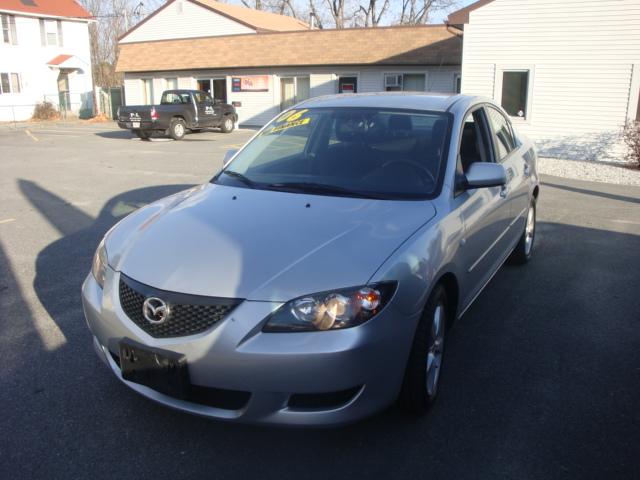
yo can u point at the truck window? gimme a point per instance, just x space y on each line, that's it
202 97
172 98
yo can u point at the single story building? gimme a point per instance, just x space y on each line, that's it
567 72
263 62
44 56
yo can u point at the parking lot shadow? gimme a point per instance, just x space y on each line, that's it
540 380
117 134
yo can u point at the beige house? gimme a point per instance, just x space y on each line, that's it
263 63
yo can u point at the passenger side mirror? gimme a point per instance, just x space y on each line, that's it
228 155
484 174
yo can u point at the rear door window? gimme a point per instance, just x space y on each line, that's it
502 133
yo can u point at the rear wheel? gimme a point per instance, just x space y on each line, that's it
524 250
422 376
143 134
177 129
227 125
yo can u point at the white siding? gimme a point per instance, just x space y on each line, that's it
39 81
257 108
581 55
192 21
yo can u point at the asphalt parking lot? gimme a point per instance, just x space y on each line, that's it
541 379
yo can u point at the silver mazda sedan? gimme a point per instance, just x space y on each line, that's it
312 280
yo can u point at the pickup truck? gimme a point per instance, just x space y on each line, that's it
179 111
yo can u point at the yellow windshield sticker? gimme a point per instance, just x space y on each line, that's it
289 124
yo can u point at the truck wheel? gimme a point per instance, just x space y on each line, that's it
143 134
177 129
227 124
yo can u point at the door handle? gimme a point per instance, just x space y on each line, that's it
503 191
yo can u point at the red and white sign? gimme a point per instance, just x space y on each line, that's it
254 83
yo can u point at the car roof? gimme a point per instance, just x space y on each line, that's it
435 102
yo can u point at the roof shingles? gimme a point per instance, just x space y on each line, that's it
422 45
56 8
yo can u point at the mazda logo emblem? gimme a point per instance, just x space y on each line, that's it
155 310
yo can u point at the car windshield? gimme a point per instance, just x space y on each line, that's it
360 152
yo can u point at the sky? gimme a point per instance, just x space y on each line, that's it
442 15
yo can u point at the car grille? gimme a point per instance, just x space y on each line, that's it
190 314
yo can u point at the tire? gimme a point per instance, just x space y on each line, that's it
524 250
177 129
422 375
142 134
227 124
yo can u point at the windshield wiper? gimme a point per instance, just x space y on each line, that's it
238 176
321 188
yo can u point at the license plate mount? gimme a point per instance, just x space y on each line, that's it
161 370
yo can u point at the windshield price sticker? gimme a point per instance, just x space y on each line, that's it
290 120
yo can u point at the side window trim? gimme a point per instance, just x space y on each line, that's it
494 136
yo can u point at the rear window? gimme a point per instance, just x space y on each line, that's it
172 98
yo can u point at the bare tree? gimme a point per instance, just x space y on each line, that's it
417 12
336 9
372 15
113 18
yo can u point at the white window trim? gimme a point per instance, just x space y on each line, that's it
11 92
497 90
456 76
337 75
295 87
54 31
143 81
13 32
406 72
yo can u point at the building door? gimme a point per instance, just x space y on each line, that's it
348 84
287 92
64 97
220 90
204 85
294 90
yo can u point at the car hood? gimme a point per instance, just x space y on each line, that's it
264 245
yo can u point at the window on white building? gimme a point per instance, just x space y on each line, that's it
147 91
515 92
405 82
294 90
51 32
171 83
9 34
9 83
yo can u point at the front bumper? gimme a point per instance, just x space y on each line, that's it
235 355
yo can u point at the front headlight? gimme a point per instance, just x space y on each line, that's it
334 310
99 264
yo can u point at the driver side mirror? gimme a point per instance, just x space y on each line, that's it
228 155
484 174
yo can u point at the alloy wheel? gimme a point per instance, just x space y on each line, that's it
435 349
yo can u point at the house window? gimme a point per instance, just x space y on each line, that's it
348 84
171 83
51 32
9 83
147 91
515 93
9 29
457 83
294 90
405 82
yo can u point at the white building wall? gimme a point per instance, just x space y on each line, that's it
183 19
257 108
39 81
581 56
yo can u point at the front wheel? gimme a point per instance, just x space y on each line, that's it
177 129
227 125
524 250
422 376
